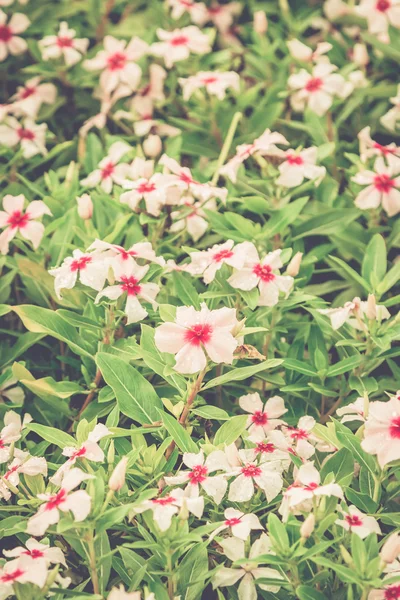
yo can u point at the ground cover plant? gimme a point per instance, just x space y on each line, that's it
199 297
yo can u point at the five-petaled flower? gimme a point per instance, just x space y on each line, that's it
10 42
64 45
17 220
264 417
31 136
383 187
382 431
165 507
317 89
356 522
177 45
91 272
108 171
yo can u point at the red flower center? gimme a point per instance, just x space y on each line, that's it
392 593
394 429
18 219
107 170
259 418
311 486
79 453
80 263
208 80
383 183
298 434
35 553
383 5
232 522
294 159
314 84
163 501
384 149
125 254
146 188
25 134
198 334
186 178
11 471
56 500
198 474
117 61
353 520
179 40
130 285
5 33
9 577
264 272
265 447
64 41
222 255
28 91
251 471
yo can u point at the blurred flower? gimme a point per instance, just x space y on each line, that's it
215 83
85 206
10 42
64 45
299 165
260 22
29 135
380 14
177 45
356 522
117 478
391 118
208 262
165 507
315 90
391 548
29 98
109 171
303 53
91 272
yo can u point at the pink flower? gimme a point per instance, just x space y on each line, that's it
182 178
249 472
382 187
91 272
380 14
65 500
382 431
263 274
129 284
210 261
356 522
308 485
10 42
199 474
303 53
64 45
215 83
263 418
41 554
28 134
17 220
11 433
369 148
299 165
315 90
165 507
30 97
192 218
390 592
117 63
196 333
240 524
109 171
177 45
119 258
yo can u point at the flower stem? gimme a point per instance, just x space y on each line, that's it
226 147
92 564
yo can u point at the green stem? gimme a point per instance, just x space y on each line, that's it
226 147
93 565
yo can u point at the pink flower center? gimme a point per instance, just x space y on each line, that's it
64 41
383 5
9 577
251 471
353 520
186 178
384 149
198 334
392 593
383 183
107 170
179 40
130 285
5 33
265 447
163 501
125 254
35 553
294 159
79 453
260 418
117 61
198 474
146 188
11 471
215 10
2 444
222 255
80 263
18 219
298 434
314 84
264 272
311 486
26 92
25 134
394 429
208 80
232 522
56 500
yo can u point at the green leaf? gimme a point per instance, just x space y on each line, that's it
391 278
231 430
52 435
211 412
341 464
353 276
352 443
179 434
185 290
192 573
282 218
345 365
305 592
242 373
4 309
300 367
344 573
387 50
374 263
278 533
136 397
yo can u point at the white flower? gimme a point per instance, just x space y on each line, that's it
119 258
152 190
352 412
356 522
29 98
265 144
303 53
26 571
263 418
208 262
28 134
382 431
193 219
307 486
117 63
382 187
129 283
390 119
64 45
10 42
109 171
240 524
196 10
39 553
265 475
352 313
199 472
221 15
91 272
196 333
15 219
9 390
165 507
118 476
179 44
215 83
263 274
11 433
391 549
380 14
315 90
182 178
65 500
119 593
234 549
25 464
299 165
369 148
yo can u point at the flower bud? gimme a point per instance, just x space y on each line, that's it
371 307
152 146
70 172
293 267
111 453
117 478
360 55
260 22
391 549
307 527
85 206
